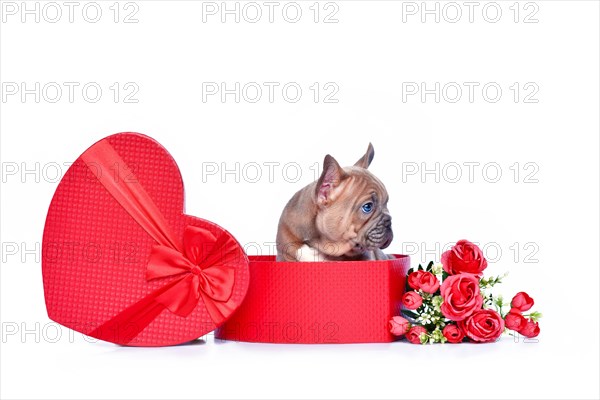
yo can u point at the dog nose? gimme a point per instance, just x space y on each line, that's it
387 221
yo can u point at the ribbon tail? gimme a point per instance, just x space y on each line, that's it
129 193
124 327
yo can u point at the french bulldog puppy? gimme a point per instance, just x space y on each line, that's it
342 216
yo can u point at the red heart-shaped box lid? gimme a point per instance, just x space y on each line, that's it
123 263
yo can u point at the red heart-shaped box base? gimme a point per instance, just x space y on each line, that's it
96 254
319 302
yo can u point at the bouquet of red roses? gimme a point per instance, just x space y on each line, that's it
449 302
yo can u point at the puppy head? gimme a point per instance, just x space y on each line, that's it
352 213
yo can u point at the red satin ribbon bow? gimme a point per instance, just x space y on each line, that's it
197 277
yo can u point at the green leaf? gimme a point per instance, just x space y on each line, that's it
430 327
445 275
429 266
410 314
535 316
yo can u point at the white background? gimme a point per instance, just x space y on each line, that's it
540 225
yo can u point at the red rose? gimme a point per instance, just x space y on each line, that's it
461 296
521 302
530 330
464 256
428 282
412 300
399 326
414 334
514 321
453 333
483 326
414 279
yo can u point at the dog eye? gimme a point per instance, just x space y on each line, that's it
367 207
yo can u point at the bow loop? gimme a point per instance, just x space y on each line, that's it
217 283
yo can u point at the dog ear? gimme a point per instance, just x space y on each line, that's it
331 177
365 160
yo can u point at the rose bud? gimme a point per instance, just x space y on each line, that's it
464 256
428 282
414 279
521 302
530 330
414 334
399 326
453 333
514 321
412 300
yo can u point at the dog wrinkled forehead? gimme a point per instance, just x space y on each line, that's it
363 177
